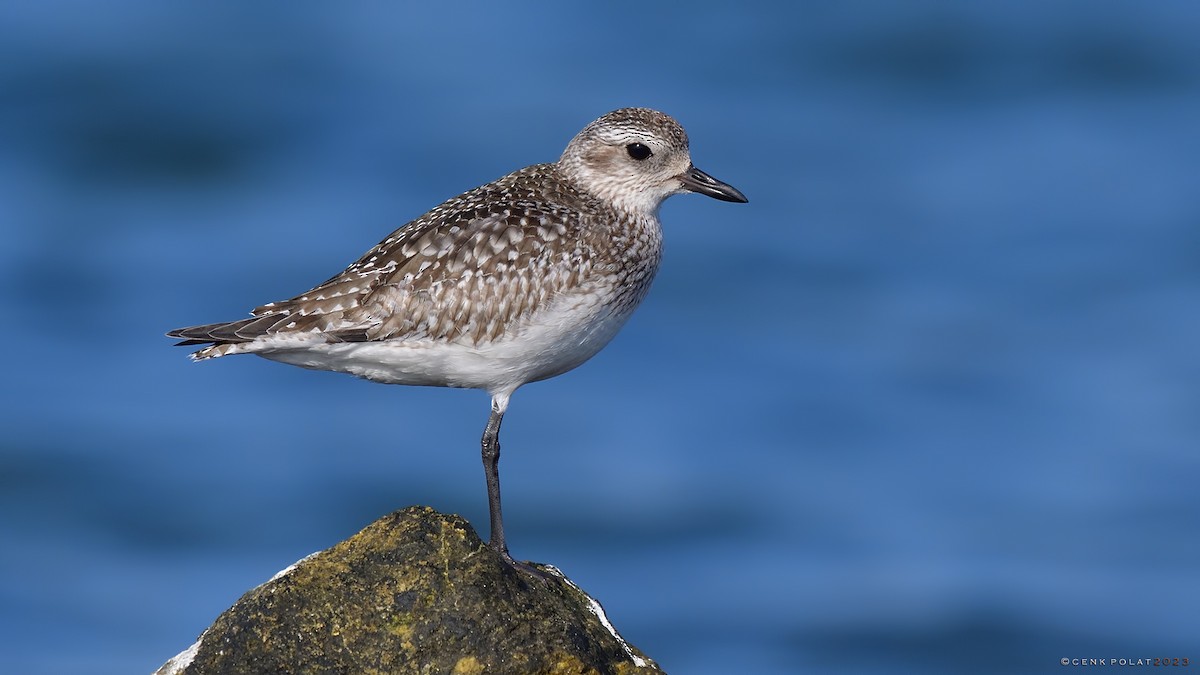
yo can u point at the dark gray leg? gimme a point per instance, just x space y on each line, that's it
491 470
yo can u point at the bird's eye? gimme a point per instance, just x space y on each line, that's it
638 151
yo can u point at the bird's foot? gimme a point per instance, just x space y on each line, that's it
526 567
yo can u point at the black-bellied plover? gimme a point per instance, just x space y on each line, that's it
513 282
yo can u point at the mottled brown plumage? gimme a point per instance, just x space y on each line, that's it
469 271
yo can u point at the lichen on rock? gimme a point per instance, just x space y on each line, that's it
416 591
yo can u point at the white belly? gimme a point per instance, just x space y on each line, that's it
552 342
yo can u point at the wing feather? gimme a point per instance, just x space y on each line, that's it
468 270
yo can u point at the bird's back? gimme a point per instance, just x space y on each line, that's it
527 252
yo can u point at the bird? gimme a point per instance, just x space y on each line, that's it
513 282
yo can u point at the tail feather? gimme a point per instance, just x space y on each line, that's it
227 331
221 338
234 337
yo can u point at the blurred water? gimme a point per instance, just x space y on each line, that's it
927 404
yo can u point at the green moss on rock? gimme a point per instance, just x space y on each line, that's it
417 591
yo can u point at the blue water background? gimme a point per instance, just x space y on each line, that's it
929 403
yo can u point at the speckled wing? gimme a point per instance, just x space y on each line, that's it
465 272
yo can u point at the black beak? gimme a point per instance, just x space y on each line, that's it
695 180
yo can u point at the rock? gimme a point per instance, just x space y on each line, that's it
414 592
